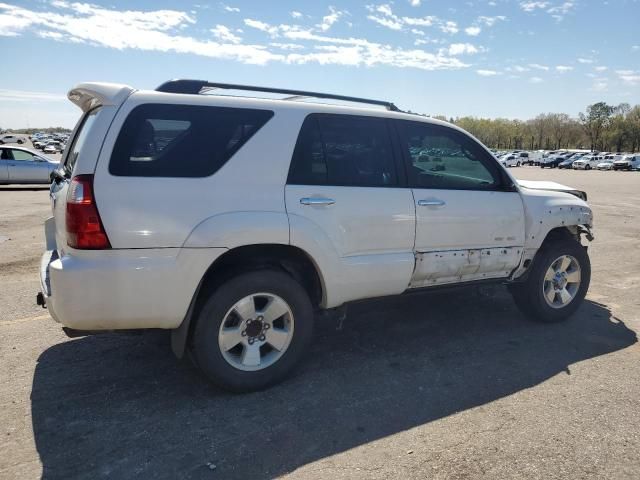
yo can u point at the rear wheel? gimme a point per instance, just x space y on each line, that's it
587 167
557 283
253 330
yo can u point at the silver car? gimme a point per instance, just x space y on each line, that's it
21 165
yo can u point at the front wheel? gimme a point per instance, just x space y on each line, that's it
557 283
587 167
253 330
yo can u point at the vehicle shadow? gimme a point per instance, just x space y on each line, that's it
120 406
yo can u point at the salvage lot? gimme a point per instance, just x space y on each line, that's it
419 386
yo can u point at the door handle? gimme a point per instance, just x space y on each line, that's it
317 201
431 203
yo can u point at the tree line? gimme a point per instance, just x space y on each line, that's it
602 127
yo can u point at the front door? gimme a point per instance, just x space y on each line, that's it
347 208
470 218
24 168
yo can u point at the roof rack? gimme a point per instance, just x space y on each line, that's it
195 87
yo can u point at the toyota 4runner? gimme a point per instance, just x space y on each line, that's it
232 220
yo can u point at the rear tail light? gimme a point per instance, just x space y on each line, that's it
84 227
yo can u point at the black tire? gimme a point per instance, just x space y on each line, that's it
20 142
587 167
529 296
205 345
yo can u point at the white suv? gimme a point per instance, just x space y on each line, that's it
232 220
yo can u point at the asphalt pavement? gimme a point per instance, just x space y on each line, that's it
443 385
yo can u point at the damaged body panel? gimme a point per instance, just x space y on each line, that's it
455 266
546 206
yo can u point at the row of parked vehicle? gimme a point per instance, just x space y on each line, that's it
578 160
50 143
593 161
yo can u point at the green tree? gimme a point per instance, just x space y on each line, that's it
594 122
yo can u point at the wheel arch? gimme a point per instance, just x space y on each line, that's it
290 259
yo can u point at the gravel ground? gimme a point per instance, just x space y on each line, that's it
441 385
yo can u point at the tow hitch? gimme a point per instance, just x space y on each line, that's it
40 300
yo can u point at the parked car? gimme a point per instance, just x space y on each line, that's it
567 163
628 162
587 162
605 165
11 139
510 161
234 253
551 162
21 165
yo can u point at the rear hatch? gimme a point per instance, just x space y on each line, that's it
99 104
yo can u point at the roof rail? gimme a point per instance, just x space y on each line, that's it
195 87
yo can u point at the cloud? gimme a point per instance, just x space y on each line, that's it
461 48
629 77
563 68
296 14
487 73
490 21
383 15
531 6
414 3
449 27
537 66
585 60
536 80
600 85
601 69
473 31
329 20
167 31
28 96
230 9
287 46
557 11
635 48
223 33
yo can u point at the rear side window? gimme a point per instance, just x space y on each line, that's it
160 140
343 150
79 139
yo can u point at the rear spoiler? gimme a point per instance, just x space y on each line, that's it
88 96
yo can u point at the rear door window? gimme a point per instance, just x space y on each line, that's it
343 150
160 140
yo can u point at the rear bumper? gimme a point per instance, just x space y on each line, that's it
123 289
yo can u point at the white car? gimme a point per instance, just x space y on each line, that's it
628 162
510 161
230 220
605 165
587 162
11 139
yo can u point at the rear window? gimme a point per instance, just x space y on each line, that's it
159 140
79 139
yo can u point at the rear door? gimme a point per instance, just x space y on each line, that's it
470 217
344 190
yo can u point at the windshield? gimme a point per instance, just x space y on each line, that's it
79 139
